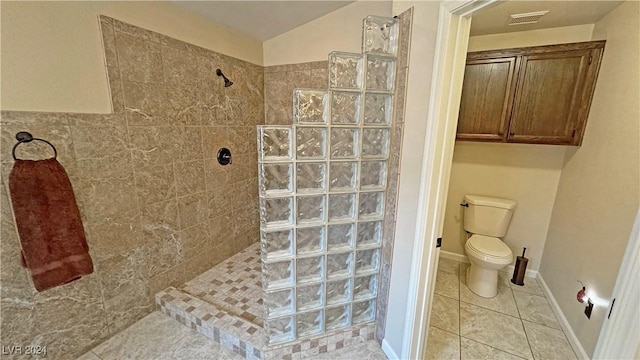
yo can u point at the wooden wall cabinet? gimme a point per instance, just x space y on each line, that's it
535 95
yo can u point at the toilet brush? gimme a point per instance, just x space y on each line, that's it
520 269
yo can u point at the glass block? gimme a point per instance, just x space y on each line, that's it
344 143
311 143
345 70
277 274
367 261
380 73
280 330
278 303
375 143
371 205
380 35
275 178
277 244
309 297
310 209
365 287
309 106
373 175
310 177
345 108
309 269
276 211
377 109
275 143
341 207
309 323
342 176
339 265
369 233
309 240
340 237
363 311
338 291
337 317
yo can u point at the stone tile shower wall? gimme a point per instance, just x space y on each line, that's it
281 80
156 206
322 194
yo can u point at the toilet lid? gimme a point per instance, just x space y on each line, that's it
489 245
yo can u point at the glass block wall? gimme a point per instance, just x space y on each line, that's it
322 189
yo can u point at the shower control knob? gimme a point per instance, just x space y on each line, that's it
224 156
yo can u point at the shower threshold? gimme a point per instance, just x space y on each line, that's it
225 304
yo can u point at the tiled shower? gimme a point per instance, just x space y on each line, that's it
316 279
322 190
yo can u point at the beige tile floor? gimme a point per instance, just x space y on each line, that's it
157 337
516 324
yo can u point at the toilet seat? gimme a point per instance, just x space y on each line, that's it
489 248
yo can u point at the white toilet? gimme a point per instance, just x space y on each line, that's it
486 219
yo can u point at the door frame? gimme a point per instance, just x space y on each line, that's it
620 334
454 25
444 102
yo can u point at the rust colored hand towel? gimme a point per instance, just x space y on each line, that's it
54 247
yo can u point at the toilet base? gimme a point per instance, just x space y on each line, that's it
482 282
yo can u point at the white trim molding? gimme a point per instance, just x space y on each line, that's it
564 323
454 24
388 350
464 259
620 334
453 256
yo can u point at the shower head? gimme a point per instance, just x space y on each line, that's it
227 82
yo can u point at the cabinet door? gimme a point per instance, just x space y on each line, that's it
487 93
548 97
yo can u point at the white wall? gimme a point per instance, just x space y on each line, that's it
340 30
52 57
599 191
559 35
423 39
528 174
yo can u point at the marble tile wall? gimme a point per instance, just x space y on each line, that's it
156 206
279 82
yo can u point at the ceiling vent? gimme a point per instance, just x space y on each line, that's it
526 18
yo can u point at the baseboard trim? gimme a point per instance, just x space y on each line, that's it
464 259
387 350
454 256
571 336
530 273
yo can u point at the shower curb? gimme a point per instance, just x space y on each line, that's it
245 338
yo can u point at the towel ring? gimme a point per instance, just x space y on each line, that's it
25 137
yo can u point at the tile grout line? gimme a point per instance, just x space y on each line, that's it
522 323
563 333
538 323
495 311
95 354
491 346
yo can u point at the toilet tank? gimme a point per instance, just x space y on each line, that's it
487 216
